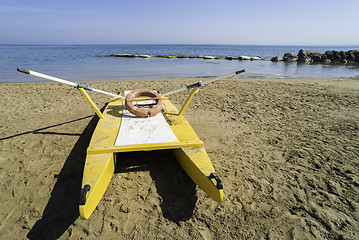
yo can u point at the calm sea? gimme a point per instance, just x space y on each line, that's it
83 62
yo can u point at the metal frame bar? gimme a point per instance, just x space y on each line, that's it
93 105
189 99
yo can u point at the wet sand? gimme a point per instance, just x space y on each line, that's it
287 151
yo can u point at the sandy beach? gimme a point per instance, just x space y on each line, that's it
287 151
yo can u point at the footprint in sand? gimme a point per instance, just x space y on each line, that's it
205 233
132 219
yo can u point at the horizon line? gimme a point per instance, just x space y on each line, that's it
198 44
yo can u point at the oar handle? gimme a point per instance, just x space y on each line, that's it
224 77
23 70
47 77
240 71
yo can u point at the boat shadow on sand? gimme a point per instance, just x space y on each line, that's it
62 208
177 191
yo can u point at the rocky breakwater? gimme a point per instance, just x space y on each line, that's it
306 56
180 56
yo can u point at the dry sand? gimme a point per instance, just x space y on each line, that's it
287 151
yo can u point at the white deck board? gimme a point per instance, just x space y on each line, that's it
135 130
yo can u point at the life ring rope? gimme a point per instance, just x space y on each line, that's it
145 99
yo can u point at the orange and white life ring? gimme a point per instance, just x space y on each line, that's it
144 112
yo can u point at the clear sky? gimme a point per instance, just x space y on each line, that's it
268 22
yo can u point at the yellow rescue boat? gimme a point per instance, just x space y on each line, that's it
119 130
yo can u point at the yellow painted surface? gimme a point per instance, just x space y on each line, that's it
178 124
98 172
99 168
198 166
93 105
145 147
194 91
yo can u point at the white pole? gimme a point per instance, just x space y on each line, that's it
76 85
201 83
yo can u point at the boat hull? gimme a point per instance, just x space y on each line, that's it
198 167
98 172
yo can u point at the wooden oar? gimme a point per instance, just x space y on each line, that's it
201 83
74 84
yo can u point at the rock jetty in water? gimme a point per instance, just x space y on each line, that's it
173 56
330 56
304 56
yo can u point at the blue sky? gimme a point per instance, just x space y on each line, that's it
268 22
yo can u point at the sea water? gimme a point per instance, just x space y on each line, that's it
86 62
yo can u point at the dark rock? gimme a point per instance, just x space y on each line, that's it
290 57
303 52
342 55
231 58
304 56
350 56
356 54
317 57
305 59
335 56
277 59
329 54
